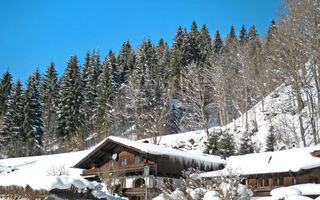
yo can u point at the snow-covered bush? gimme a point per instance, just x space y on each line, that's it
193 187
109 177
58 170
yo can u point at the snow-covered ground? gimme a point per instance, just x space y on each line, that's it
296 192
47 173
279 112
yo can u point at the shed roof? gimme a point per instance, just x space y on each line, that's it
292 160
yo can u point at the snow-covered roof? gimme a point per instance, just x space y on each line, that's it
152 149
292 160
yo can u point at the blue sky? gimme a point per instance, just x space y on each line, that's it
35 32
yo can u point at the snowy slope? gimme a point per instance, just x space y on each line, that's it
279 112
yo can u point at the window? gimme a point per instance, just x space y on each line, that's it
112 163
124 161
313 180
274 181
266 182
137 160
281 181
260 182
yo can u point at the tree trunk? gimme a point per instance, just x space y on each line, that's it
221 116
246 106
300 107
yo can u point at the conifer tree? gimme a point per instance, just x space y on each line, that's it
217 44
114 71
144 78
12 137
85 69
231 45
126 61
178 61
163 61
103 111
205 47
193 40
33 122
243 36
246 145
50 95
213 145
271 35
71 99
175 116
5 89
227 147
90 91
271 140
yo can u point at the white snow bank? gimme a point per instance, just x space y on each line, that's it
295 197
46 182
211 195
177 194
44 172
308 189
285 192
294 192
270 162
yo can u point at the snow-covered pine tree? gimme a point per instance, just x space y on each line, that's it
70 117
93 70
227 147
163 61
33 122
246 145
162 82
12 137
178 61
144 78
213 145
5 89
271 140
193 41
243 36
105 91
217 44
114 71
126 61
50 95
205 47
173 125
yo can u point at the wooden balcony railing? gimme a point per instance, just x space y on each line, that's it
134 168
152 192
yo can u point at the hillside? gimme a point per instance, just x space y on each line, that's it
56 170
280 113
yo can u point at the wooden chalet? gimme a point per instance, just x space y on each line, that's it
125 160
263 172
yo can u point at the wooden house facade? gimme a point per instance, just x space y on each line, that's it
263 184
125 160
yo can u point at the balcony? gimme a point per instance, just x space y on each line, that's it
134 169
140 192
